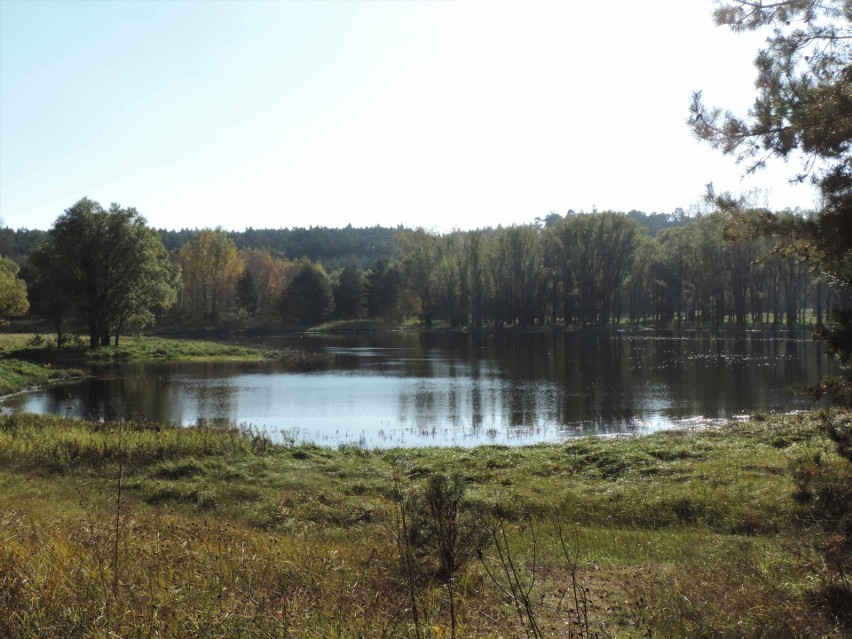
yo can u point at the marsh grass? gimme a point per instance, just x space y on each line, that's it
221 533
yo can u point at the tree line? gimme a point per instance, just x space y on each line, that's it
595 269
105 270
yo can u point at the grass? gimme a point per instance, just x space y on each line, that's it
146 348
350 326
13 341
136 529
15 375
37 348
28 359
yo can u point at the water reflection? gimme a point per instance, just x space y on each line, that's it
409 389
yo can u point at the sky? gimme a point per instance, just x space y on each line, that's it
442 115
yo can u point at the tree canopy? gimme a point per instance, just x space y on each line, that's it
308 299
212 268
13 291
106 265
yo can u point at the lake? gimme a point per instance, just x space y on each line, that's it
408 389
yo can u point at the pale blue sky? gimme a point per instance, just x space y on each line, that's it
442 115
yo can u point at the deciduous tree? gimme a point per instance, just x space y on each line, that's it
13 291
212 267
107 265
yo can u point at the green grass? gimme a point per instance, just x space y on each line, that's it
21 346
15 375
350 326
28 360
222 533
12 341
144 348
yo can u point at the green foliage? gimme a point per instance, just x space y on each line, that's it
598 252
803 107
449 529
333 247
16 375
348 288
383 290
593 269
18 244
13 291
308 299
107 265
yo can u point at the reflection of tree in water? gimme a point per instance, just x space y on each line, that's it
476 417
213 397
465 386
104 399
97 398
424 402
153 395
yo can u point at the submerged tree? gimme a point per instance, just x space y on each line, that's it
107 265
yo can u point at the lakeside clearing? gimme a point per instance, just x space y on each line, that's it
137 529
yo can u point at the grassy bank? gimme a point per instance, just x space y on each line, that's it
28 359
352 326
38 348
15 375
141 530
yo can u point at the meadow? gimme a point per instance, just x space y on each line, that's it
139 530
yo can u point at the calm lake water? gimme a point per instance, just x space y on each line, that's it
408 389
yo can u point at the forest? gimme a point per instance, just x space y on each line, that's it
581 269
